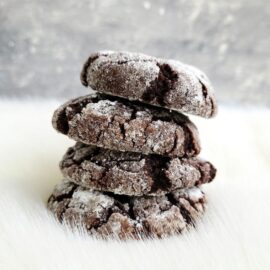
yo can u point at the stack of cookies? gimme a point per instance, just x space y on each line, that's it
134 170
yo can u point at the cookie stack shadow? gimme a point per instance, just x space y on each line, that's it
134 170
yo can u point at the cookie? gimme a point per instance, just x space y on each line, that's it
166 83
107 215
132 174
117 124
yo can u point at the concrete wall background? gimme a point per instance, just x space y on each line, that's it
43 44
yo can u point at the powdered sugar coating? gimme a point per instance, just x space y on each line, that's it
108 215
132 174
118 124
160 82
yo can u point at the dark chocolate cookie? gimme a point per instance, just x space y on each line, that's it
107 215
165 83
117 124
132 174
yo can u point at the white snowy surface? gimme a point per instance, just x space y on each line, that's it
234 233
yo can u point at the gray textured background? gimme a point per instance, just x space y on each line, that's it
43 44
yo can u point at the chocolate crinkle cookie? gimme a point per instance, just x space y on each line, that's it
134 171
132 174
117 124
160 82
108 215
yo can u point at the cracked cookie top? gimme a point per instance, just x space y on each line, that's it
160 82
108 215
132 174
118 124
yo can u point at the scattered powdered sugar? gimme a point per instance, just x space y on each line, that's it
180 169
195 194
119 57
144 114
93 201
107 107
102 107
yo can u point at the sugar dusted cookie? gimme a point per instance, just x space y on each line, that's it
108 215
117 124
132 174
165 83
